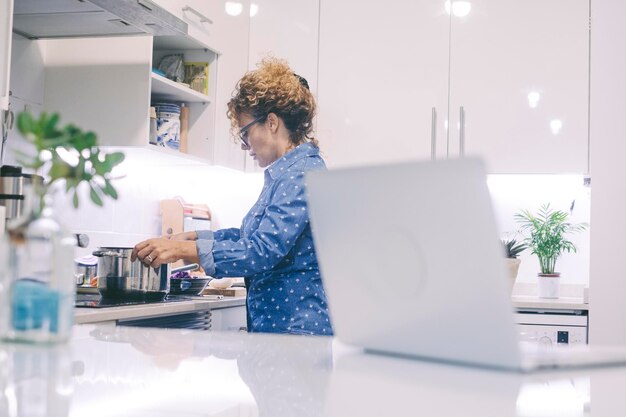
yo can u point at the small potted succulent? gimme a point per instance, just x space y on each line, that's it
546 234
512 248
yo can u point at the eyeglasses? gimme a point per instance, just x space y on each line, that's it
243 132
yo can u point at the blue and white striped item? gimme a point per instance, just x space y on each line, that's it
168 125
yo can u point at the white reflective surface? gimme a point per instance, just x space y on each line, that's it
109 371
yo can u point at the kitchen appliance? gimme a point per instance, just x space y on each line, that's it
97 301
37 19
552 327
13 184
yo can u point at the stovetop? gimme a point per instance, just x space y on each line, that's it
96 301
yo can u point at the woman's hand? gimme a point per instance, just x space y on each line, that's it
155 252
183 236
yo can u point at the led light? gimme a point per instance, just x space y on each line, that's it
533 99
459 8
555 126
254 8
233 8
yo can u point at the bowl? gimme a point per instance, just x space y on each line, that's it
221 283
188 286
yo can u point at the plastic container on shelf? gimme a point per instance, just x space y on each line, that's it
168 125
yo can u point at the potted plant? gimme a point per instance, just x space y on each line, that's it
512 248
37 290
546 234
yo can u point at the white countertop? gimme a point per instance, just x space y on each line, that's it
83 315
561 303
133 372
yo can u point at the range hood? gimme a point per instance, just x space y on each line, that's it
45 19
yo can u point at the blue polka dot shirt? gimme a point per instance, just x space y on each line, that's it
273 250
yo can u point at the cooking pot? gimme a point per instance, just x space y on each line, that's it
121 278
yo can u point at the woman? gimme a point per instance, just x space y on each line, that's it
272 111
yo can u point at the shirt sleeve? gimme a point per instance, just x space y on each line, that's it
280 224
205 242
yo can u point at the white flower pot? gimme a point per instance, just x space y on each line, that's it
512 265
548 285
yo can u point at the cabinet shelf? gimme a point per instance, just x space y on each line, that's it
162 88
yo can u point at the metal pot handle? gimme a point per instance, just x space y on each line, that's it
102 253
190 267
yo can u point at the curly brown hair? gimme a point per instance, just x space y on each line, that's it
274 88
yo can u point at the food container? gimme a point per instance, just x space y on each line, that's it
86 270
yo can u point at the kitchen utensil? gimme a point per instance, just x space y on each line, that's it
121 278
228 292
13 184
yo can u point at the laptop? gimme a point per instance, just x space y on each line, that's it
412 265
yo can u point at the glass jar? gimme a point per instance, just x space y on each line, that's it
37 291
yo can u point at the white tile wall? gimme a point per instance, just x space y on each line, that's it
135 215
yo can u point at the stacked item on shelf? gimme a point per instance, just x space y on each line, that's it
168 124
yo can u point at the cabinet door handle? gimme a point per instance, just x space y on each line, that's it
461 131
202 17
433 134
6 22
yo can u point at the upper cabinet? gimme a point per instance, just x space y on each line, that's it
383 80
6 25
501 79
107 85
519 84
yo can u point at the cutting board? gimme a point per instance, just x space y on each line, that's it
228 292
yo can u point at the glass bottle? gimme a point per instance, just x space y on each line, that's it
37 293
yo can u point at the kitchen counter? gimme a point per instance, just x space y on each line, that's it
95 315
124 371
562 303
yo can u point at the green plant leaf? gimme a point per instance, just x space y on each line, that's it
109 190
75 199
114 158
25 123
94 196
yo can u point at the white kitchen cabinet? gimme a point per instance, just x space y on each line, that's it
383 80
6 27
106 85
389 85
228 318
286 29
224 27
520 72
206 20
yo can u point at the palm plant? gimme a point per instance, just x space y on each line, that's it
512 248
546 235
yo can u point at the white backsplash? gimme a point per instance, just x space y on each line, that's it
511 193
229 194
144 182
